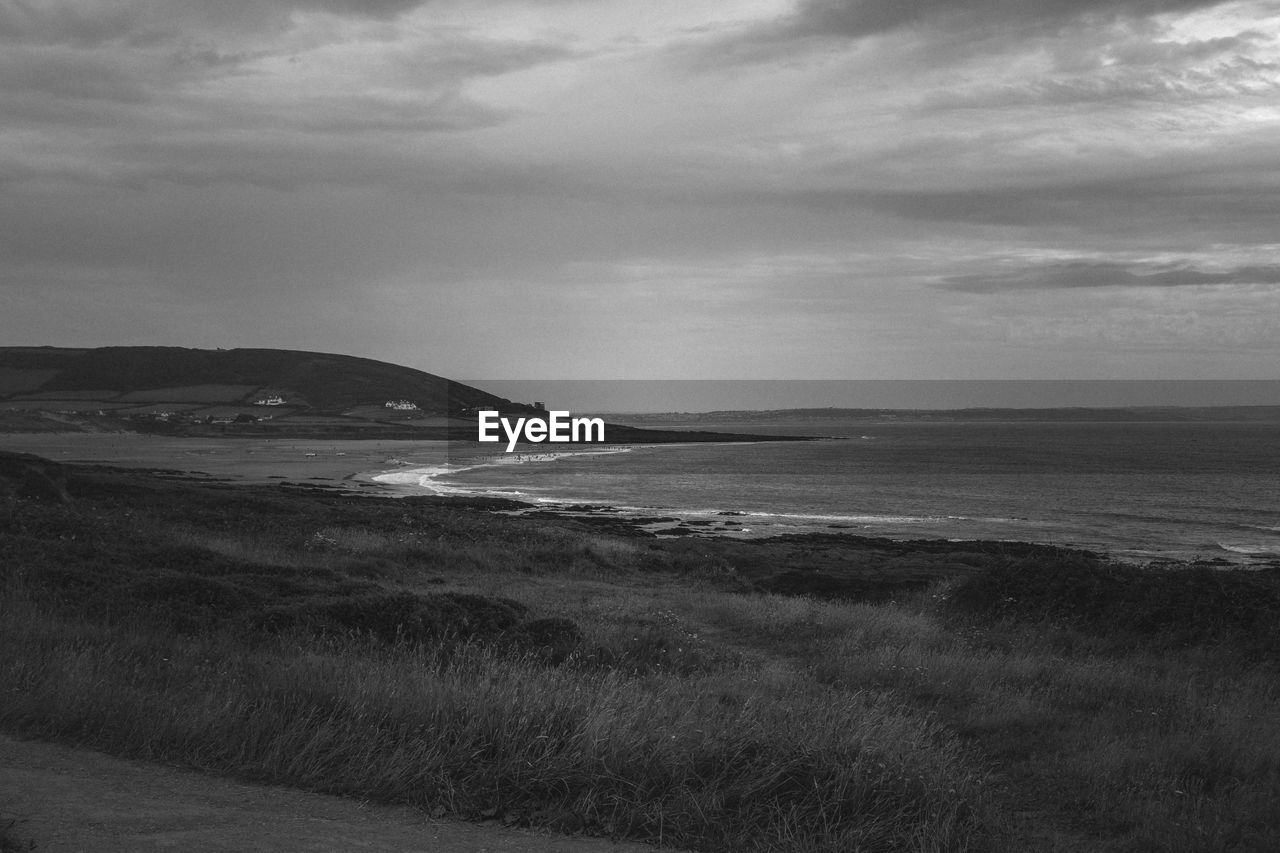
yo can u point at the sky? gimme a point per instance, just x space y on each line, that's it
673 189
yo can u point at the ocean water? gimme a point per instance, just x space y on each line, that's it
1140 491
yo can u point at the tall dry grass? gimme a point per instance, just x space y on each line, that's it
1135 749
264 636
712 760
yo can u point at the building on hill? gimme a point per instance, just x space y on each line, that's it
401 406
272 400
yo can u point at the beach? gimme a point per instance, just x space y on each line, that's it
1150 492
340 463
433 479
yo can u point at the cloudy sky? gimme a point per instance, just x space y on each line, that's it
1082 189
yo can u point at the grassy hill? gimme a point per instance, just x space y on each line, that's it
321 382
180 391
800 694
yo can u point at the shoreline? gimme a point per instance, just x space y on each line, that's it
339 463
427 477
361 466
732 523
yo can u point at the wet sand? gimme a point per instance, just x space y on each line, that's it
348 464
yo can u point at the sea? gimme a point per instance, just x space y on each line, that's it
1138 491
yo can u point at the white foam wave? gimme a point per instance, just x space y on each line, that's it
412 476
858 519
429 476
1250 548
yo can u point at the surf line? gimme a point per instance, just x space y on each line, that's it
559 428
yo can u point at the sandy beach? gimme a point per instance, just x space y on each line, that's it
390 467
350 463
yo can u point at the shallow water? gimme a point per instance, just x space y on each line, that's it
1140 490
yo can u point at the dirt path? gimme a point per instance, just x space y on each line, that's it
70 800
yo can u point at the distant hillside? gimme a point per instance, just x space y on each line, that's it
1078 414
319 382
251 392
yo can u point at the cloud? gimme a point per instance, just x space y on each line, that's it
77 24
1212 199
1210 332
543 173
817 23
69 75
859 18
1234 76
89 23
474 56
195 93
359 8
1093 274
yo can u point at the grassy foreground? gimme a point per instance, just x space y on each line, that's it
542 673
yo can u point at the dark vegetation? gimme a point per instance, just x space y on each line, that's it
804 693
102 565
24 476
10 839
325 381
1170 607
178 391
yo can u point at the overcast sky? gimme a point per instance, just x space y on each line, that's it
995 189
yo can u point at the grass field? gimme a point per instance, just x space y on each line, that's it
538 673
